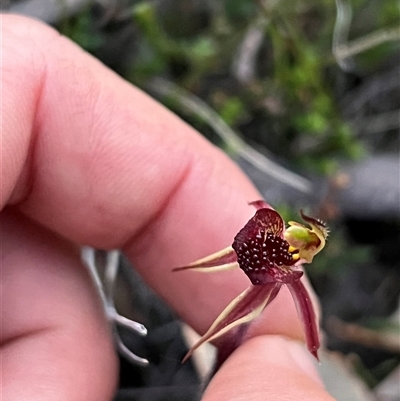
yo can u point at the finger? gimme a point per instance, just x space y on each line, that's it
103 164
267 368
54 335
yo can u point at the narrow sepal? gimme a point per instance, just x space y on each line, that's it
228 343
244 308
225 259
307 315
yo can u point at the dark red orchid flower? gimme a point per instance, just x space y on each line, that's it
271 257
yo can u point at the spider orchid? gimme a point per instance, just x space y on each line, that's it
271 257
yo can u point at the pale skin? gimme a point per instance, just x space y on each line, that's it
89 159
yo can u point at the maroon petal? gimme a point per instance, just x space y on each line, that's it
260 204
244 308
305 310
264 220
223 260
262 253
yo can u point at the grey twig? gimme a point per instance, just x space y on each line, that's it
49 11
381 84
52 11
88 256
341 31
342 49
232 140
106 294
244 62
383 122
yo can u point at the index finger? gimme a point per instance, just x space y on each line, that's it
99 162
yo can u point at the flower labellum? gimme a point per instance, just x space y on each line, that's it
271 257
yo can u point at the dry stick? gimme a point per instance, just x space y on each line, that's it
368 41
341 30
193 104
364 336
244 62
382 122
105 292
342 49
50 11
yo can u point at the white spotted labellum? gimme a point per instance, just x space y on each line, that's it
271 257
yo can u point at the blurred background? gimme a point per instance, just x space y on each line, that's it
305 96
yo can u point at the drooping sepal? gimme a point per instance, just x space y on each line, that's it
307 315
225 259
244 308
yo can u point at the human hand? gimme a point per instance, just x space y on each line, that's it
89 159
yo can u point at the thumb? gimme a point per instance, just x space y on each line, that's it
267 368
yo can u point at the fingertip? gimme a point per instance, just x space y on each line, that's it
268 367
